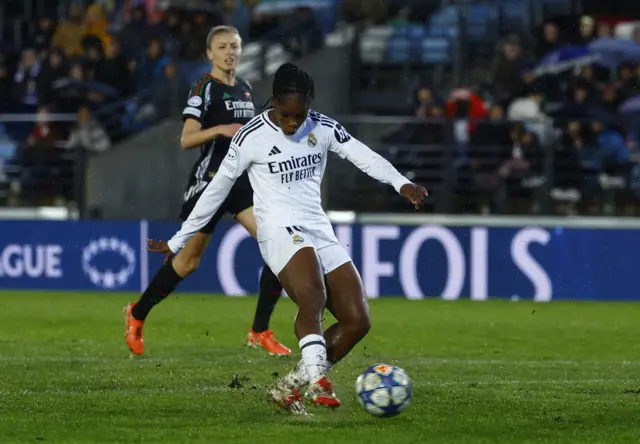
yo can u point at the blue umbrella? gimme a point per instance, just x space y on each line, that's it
630 106
275 6
614 51
564 59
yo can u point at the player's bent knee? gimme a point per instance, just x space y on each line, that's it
184 266
360 326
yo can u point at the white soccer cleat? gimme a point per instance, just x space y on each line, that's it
287 400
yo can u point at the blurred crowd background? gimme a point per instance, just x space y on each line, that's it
497 106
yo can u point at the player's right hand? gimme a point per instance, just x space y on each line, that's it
228 130
160 247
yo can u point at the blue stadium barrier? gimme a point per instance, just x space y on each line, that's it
415 262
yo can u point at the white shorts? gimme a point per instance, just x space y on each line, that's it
278 245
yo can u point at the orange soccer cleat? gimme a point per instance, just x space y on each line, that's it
321 394
133 332
267 341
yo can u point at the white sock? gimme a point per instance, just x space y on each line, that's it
314 356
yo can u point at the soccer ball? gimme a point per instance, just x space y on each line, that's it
384 390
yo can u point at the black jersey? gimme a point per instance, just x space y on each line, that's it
213 103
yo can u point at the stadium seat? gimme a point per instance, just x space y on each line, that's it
441 31
398 50
373 43
556 7
434 50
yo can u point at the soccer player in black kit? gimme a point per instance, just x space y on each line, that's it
217 107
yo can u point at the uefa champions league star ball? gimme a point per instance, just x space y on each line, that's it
384 390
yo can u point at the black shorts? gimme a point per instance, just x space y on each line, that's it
240 198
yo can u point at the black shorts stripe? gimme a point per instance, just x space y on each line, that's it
297 229
248 127
289 230
265 118
249 131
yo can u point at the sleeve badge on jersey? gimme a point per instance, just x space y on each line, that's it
341 134
311 140
195 101
232 154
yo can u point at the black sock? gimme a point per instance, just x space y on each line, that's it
161 286
270 291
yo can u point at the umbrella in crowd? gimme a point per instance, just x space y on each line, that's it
630 106
270 6
564 59
612 52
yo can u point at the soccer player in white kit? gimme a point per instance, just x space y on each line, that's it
285 153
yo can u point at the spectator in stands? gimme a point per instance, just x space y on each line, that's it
604 30
578 104
401 19
88 134
507 68
523 159
424 98
6 80
93 57
71 31
636 35
568 169
161 106
586 31
367 11
135 34
43 34
170 30
115 70
53 69
608 145
626 80
96 24
196 37
529 110
550 40
24 88
608 105
492 131
151 65
261 24
45 132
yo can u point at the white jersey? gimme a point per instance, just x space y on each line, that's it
285 173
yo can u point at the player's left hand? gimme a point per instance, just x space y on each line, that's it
155 246
414 194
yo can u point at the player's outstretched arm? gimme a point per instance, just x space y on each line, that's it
232 167
373 164
211 200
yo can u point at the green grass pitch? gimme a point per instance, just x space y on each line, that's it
483 372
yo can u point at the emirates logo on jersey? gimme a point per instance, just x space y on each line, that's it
241 109
296 168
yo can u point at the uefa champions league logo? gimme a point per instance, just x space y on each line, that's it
108 278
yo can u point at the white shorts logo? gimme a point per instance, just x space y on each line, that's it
108 278
195 101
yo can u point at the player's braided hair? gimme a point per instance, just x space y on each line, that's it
289 79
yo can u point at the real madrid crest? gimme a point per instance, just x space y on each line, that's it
297 239
311 140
